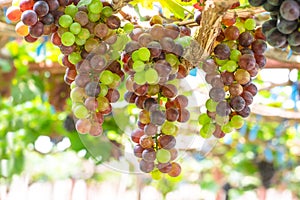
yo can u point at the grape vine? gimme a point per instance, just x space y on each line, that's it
100 52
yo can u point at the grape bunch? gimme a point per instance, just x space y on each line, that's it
91 39
153 61
236 60
282 30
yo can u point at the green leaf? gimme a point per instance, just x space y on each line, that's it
5 66
84 3
173 7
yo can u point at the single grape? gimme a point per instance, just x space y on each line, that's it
259 46
163 156
232 33
68 39
222 51
83 126
175 170
245 39
146 167
29 17
149 155
217 94
290 10
167 141
151 76
113 22
223 108
65 21
207 130
138 150
287 27
71 10
169 128
80 111
237 103
294 38
242 76
95 7
37 30
150 129
157 117
82 18
75 28
275 38
13 13
250 24
235 89
237 121
41 8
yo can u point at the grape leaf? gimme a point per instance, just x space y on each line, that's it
169 7
84 3
173 7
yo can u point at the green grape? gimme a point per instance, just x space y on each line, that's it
250 24
172 59
211 105
237 121
151 76
81 112
240 26
73 85
139 78
120 43
227 128
65 21
207 130
95 7
68 39
114 55
84 34
103 90
230 65
71 10
107 11
144 54
74 57
116 81
79 42
135 56
163 156
221 120
93 17
235 55
138 66
169 128
75 28
128 27
185 41
204 119
156 174
106 77
220 62
77 94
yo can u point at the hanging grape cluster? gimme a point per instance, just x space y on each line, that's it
152 59
282 30
91 39
236 60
